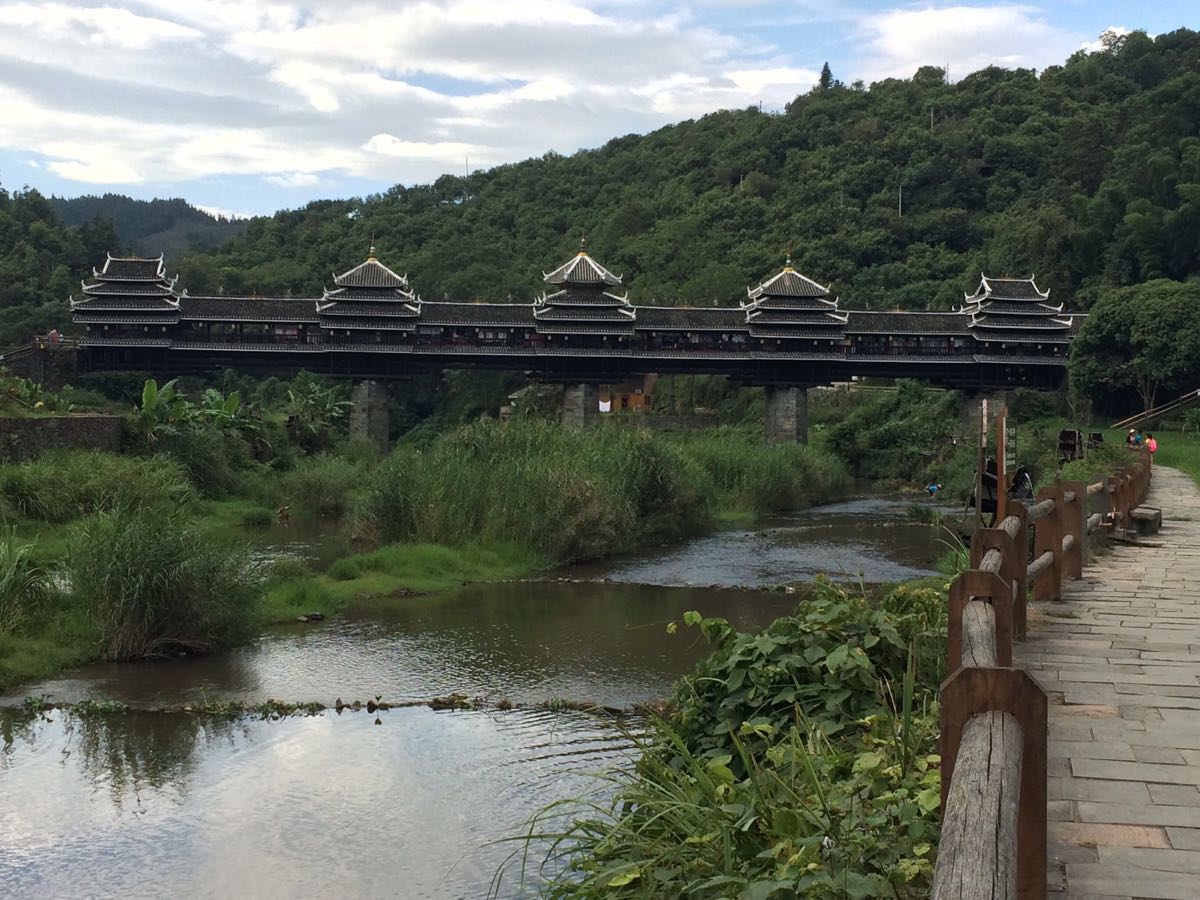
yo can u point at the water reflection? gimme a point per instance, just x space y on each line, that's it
151 805
871 539
524 641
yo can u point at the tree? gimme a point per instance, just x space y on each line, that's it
1145 338
826 81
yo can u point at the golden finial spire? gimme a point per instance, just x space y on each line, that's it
788 262
371 252
583 244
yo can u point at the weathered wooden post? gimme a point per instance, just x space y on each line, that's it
1075 527
994 731
1047 538
971 586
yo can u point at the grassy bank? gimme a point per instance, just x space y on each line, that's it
570 494
366 581
152 541
797 761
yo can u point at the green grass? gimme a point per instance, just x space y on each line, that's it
373 579
64 485
1179 452
154 583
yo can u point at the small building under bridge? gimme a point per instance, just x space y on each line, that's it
787 335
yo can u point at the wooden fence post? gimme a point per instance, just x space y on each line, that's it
1075 525
970 691
1047 537
974 584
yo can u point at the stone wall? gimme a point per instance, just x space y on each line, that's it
25 438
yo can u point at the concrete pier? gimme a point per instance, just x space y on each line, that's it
369 417
581 404
786 415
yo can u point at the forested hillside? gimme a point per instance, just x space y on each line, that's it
41 263
150 227
1087 174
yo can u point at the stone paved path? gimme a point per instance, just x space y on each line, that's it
1120 659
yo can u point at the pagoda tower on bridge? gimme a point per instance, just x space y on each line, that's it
369 297
1015 310
129 295
585 302
790 305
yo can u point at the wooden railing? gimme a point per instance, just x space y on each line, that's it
993 716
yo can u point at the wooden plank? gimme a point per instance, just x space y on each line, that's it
977 855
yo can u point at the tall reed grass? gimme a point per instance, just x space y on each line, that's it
64 485
766 478
567 493
26 588
324 485
154 584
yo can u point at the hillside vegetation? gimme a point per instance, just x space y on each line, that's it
1087 173
150 227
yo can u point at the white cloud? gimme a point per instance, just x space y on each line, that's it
967 38
100 27
302 93
219 212
295 179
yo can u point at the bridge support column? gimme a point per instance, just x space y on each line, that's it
581 404
369 417
786 418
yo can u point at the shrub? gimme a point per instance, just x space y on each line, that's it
800 762
61 486
216 460
766 478
155 584
322 485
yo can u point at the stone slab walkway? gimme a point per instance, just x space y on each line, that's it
1120 660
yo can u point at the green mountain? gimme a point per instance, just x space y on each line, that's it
1087 174
150 227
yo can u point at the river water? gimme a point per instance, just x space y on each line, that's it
153 804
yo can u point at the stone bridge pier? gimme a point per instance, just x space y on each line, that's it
786 415
581 404
369 417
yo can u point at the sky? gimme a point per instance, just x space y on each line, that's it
245 107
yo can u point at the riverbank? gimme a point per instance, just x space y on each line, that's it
487 502
801 758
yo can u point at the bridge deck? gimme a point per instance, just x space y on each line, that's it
1120 660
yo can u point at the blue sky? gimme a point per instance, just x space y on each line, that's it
249 107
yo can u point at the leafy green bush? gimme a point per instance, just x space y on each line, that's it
897 435
155 584
801 761
64 485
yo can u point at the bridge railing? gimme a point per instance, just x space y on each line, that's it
994 716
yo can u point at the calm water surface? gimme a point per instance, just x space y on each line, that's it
153 804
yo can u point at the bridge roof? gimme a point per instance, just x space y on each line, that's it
248 309
583 270
867 322
132 268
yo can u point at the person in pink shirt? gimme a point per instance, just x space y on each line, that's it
1151 443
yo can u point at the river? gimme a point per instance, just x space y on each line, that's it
412 802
